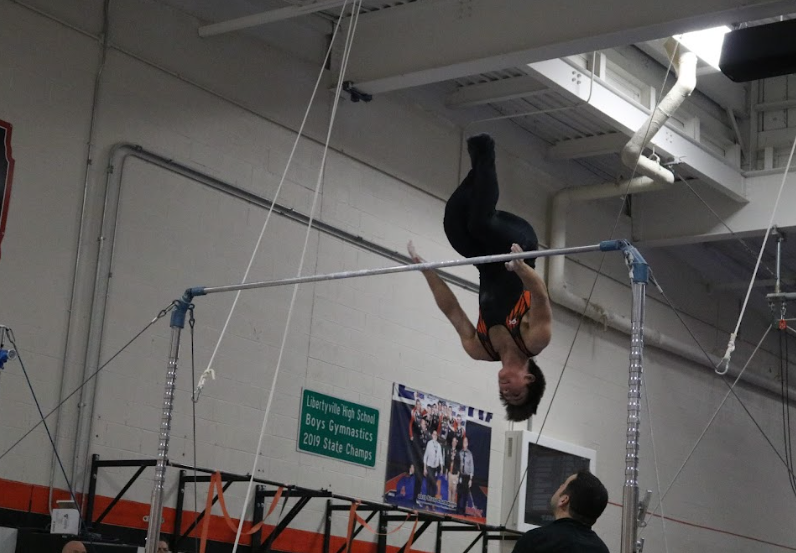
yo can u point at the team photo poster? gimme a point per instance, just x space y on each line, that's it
438 455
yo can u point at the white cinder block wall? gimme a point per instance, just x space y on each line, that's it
231 113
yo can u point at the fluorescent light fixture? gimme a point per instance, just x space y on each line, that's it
706 44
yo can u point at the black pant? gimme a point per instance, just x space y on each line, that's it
472 224
417 461
462 492
431 481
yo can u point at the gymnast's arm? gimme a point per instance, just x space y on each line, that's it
540 320
450 307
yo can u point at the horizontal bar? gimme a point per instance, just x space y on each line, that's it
610 245
270 16
782 296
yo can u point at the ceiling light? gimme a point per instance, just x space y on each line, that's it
706 44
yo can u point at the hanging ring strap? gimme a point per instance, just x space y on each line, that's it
216 486
353 517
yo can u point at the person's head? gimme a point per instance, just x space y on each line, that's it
433 434
465 442
581 497
74 547
423 424
521 387
454 443
417 403
163 546
411 469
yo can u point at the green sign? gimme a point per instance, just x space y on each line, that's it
336 428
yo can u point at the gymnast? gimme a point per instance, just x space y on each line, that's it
515 319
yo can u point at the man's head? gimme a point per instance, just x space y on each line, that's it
417 403
465 442
434 435
521 388
74 547
581 497
454 443
163 547
423 424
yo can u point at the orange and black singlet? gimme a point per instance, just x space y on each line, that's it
488 317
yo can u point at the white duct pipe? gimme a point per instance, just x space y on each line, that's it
654 177
685 63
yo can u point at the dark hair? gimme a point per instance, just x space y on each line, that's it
536 388
587 497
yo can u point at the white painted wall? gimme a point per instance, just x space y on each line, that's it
392 166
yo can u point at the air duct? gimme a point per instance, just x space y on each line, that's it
685 63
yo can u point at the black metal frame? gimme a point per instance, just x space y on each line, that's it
387 513
445 523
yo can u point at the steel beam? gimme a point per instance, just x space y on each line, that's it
269 16
502 90
435 40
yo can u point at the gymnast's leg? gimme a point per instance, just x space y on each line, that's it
473 226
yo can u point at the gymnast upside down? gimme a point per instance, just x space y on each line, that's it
515 318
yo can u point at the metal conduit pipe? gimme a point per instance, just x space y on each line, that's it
685 64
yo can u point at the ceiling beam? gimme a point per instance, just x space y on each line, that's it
270 16
591 146
436 40
502 90
627 117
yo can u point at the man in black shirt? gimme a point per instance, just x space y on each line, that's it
577 504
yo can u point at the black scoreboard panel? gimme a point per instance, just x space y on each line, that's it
547 470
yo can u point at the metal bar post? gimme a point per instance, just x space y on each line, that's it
92 491
257 515
327 527
381 544
438 543
630 503
176 535
156 503
780 238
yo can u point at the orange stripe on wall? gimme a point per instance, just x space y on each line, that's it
19 496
